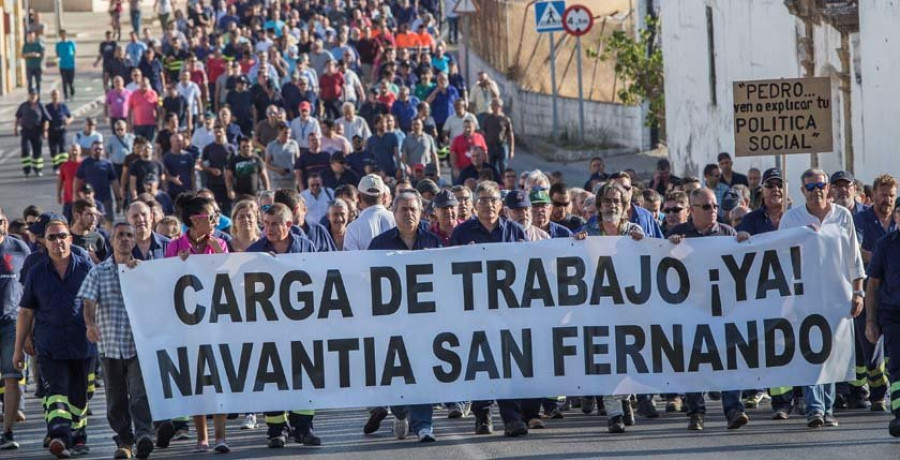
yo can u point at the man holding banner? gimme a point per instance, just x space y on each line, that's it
278 239
408 235
703 223
107 325
489 227
817 213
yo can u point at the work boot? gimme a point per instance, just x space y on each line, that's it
647 409
616 424
483 423
695 423
736 419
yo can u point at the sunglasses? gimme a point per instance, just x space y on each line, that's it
815 185
706 207
774 184
265 207
676 210
57 237
210 218
560 204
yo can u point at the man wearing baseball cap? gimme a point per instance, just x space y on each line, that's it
374 219
518 208
843 191
540 215
304 125
338 174
767 217
445 210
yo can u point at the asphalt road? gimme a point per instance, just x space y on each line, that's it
577 436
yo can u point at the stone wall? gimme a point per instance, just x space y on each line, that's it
608 124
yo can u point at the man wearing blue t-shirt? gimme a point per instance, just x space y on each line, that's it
65 52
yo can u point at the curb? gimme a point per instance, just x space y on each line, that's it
88 107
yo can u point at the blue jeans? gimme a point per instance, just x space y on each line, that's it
499 158
696 404
136 20
420 415
819 399
7 347
146 131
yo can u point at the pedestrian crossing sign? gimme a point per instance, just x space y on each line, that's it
548 16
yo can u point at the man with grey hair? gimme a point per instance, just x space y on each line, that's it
353 124
704 208
490 227
148 245
107 324
374 219
407 235
817 212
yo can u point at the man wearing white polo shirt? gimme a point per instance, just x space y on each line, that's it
819 212
374 219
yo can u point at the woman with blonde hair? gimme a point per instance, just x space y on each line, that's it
245 225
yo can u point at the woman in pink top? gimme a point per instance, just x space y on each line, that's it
199 215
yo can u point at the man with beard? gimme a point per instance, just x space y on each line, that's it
872 224
843 192
703 223
817 212
518 209
611 221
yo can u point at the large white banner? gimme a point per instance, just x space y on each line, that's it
255 332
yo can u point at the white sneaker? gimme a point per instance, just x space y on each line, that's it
426 435
249 422
401 428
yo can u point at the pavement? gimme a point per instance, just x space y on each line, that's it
861 434
577 436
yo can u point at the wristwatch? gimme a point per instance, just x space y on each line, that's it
860 293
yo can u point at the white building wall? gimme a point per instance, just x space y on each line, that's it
880 69
754 39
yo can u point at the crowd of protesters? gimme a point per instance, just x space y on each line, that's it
308 126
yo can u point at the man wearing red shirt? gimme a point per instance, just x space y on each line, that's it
331 87
143 106
66 179
460 158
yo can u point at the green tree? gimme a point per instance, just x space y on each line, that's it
639 63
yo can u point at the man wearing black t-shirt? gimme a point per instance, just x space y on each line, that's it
311 161
215 159
246 173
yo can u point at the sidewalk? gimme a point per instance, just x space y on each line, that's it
87 30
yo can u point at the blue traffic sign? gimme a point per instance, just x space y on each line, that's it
548 16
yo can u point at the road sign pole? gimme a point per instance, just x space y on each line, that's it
580 89
468 42
553 84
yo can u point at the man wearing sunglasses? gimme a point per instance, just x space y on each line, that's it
767 217
817 212
676 210
703 223
48 301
